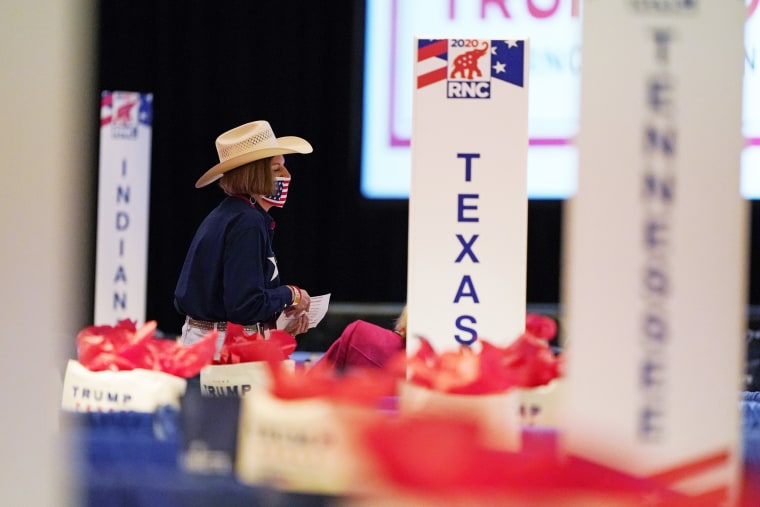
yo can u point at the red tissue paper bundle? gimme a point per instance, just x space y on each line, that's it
440 457
527 362
124 347
359 387
240 347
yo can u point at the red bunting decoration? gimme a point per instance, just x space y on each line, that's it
360 386
527 362
240 347
540 326
441 457
124 347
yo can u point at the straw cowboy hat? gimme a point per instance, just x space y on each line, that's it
249 142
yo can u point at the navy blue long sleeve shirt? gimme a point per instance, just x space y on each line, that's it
230 271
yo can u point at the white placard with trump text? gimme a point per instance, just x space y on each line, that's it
468 197
655 251
123 201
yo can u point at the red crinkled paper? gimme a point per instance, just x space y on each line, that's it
540 326
360 386
527 362
240 347
442 456
124 347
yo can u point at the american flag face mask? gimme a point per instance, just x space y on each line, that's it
281 192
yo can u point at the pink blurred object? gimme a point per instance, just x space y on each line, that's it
362 344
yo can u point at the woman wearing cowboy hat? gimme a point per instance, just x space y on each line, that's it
230 271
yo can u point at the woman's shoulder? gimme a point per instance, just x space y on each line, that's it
240 213
236 206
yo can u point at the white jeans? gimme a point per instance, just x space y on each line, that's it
192 334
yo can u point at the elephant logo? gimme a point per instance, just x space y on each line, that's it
466 64
124 112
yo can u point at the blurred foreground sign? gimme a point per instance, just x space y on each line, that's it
656 245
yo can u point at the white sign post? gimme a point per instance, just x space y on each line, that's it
123 203
468 200
656 245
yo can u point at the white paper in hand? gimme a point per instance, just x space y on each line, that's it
317 311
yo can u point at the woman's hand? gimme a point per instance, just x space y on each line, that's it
302 306
300 324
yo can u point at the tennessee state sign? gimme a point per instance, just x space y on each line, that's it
656 254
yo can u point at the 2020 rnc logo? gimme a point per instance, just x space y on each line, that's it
468 66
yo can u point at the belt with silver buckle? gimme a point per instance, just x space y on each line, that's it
207 325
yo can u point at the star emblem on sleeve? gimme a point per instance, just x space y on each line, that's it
276 272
